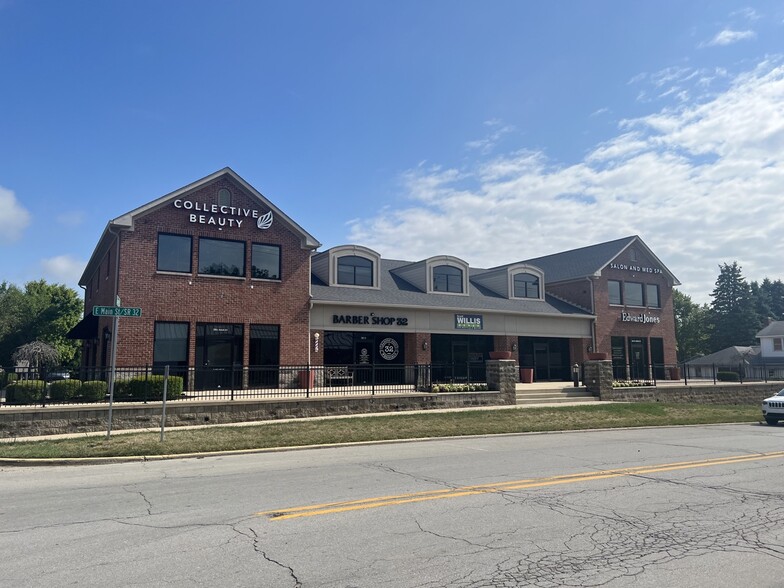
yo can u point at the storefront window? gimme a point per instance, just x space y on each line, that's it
652 295
632 293
526 286
264 355
614 288
221 258
171 344
265 262
174 253
355 271
447 278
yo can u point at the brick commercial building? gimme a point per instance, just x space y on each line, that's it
225 279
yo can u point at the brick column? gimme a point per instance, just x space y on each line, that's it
502 376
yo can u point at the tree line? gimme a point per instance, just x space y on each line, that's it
737 312
39 312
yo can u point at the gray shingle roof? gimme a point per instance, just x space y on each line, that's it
774 329
395 291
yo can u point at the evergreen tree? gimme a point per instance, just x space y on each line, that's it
775 294
691 326
732 317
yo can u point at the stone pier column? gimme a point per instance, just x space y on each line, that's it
598 378
502 375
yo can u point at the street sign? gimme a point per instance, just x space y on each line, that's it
116 311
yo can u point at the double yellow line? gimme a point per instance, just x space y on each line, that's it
379 501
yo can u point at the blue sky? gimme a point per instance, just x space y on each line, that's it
493 131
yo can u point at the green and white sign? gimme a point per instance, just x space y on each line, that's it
468 322
116 311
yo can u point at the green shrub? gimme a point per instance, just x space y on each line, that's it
60 390
151 387
11 377
25 391
727 376
121 390
94 390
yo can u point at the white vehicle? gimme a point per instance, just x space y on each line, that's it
773 408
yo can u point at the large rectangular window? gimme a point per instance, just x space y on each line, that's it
614 288
221 258
265 262
174 253
171 344
632 293
652 295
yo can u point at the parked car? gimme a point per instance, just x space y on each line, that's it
773 408
58 375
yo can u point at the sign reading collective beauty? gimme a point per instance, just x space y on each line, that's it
635 268
639 318
468 322
371 319
222 215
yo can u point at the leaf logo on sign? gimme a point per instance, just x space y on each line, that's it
265 221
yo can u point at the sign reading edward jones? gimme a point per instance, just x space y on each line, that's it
222 215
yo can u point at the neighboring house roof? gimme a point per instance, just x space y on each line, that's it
729 356
589 261
125 221
774 329
395 291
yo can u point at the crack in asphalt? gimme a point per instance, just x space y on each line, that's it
257 548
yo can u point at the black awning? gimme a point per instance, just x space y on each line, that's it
87 328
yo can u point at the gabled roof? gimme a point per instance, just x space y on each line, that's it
731 356
125 221
774 329
589 261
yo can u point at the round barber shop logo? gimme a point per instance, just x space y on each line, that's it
389 349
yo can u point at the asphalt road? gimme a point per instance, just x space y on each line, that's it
690 506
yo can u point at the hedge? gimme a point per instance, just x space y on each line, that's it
94 390
25 391
64 390
727 376
148 388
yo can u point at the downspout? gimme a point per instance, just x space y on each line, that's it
593 312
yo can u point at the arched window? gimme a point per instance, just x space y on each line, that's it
447 278
526 286
355 271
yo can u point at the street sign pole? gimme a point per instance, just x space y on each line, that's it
113 373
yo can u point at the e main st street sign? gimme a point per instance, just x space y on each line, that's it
116 311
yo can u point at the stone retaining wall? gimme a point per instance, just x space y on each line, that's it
727 393
52 420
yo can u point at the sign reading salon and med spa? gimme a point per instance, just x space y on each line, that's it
468 322
222 215
635 268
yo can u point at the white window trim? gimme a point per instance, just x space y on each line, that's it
525 269
356 250
434 262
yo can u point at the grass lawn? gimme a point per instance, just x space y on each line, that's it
376 428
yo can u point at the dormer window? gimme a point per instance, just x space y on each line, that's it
355 271
447 278
526 286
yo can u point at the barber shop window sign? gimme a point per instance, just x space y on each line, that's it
389 349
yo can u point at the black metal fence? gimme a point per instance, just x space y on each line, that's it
145 384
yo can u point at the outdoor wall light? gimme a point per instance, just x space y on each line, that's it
425 345
514 346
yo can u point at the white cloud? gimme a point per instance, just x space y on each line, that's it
14 218
62 269
701 182
486 144
728 37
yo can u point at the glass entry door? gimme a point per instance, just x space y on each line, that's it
218 356
638 358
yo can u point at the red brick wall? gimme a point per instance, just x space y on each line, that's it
608 318
192 298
